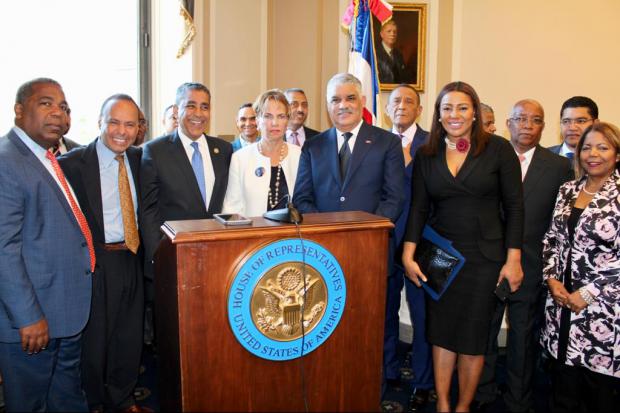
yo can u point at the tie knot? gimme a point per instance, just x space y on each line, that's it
49 155
194 145
570 155
347 136
119 158
521 157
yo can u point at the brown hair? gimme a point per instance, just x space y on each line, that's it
479 138
609 131
275 95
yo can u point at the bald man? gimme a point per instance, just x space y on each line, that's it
542 172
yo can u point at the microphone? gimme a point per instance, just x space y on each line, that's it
288 214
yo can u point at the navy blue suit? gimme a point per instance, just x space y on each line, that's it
421 358
555 149
374 182
44 274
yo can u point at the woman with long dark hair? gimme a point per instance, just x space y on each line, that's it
467 187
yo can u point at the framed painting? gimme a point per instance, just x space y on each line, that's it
400 46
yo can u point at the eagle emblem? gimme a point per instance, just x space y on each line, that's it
283 302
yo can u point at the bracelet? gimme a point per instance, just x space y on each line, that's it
585 294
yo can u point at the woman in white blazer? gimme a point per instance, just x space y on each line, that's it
262 175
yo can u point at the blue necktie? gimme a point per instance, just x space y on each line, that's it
570 155
199 171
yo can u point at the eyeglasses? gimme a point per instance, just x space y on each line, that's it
522 120
577 121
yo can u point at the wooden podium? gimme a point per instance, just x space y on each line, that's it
202 366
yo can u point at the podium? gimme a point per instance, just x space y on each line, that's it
202 365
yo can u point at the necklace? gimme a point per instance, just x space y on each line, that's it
461 145
588 192
273 198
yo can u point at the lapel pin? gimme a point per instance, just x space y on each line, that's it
216 150
368 141
260 171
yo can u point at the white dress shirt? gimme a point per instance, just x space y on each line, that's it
352 139
203 148
301 135
408 134
525 163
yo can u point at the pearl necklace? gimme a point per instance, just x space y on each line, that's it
273 199
588 192
461 145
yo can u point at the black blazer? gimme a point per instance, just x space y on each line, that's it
468 208
391 69
546 173
169 188
310 132
81 167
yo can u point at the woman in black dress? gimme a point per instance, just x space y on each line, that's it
467 186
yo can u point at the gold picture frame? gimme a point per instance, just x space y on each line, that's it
406 60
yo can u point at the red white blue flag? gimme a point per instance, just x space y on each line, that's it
362 64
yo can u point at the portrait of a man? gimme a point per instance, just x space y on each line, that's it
400 45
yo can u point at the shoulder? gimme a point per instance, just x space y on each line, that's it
246 153
310 132
219 143
553 158
158 143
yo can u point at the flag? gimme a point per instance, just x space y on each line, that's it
362 64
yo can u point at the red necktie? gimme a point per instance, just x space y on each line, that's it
79 216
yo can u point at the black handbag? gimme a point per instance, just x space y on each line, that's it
438 261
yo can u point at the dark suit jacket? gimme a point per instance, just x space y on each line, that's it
44 261
546 173
69 144
310 132
169 188
375 180
391 69
81 167
555 149
467 208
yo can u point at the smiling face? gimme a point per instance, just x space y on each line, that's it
119 125
272 122
345 106
299 109
598 157
194 113
456 111
43 115
246 123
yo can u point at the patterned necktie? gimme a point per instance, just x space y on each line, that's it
295 141
199 171
77 212
132 239
344 154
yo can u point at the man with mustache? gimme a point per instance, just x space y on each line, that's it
247 127
297 132
542 174
352 166
183 175
46 260
104 175
576 115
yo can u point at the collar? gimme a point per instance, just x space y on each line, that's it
387 48
31 144
354 131
565 149
408 134
528 154
187 141
105 155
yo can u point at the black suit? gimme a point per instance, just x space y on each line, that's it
309 132
169 188
545 174
392 69
466 210
112 341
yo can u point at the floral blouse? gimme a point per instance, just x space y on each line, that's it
594 335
